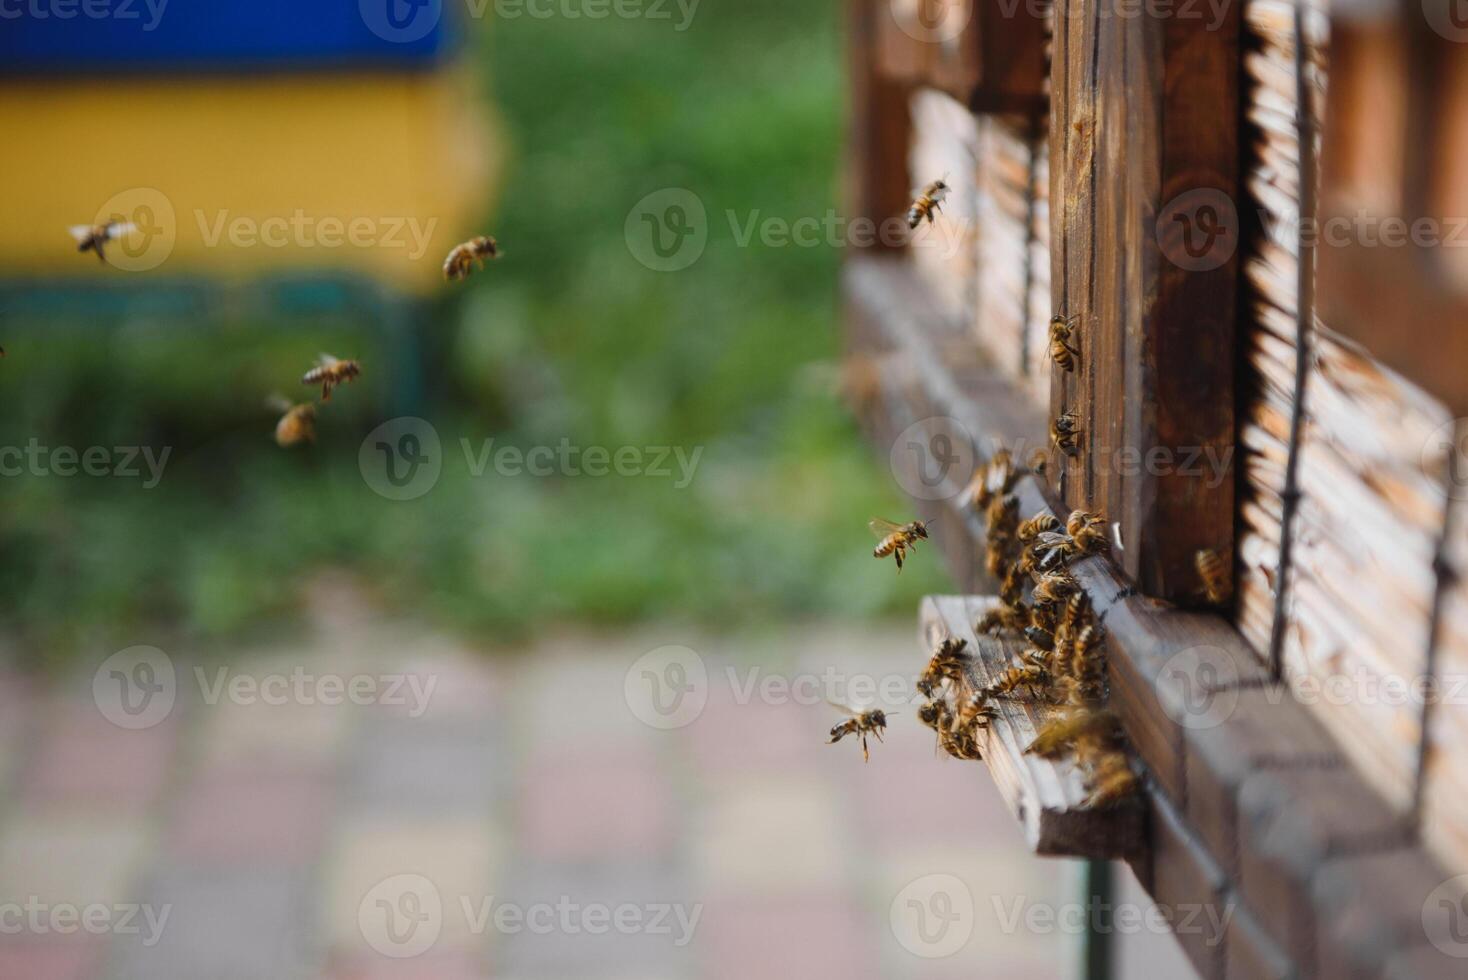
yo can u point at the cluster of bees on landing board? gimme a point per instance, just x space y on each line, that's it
1063 666
297 422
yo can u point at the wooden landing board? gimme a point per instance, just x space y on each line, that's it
1045 796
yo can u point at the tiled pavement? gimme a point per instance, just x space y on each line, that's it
526 822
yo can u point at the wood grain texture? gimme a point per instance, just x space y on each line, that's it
1045 796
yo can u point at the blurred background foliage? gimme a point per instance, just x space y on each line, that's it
566 337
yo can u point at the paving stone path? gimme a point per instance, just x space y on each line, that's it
532 816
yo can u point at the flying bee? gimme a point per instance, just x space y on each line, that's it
1040 522
1087 532
297 422
947 662
1061 352
330 372
464 257
94 238
872 721
1064 432
1214 573
929 202
897 539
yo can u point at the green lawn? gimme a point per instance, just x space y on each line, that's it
567 338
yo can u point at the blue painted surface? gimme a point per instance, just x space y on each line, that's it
82 36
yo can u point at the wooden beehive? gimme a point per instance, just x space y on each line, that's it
1174 184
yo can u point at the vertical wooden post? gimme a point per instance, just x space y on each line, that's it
880 128
1145 236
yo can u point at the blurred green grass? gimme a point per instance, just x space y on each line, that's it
567 337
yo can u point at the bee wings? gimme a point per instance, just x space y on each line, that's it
881 528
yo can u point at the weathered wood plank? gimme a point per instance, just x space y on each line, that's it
1045 796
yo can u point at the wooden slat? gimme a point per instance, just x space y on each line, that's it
1045 796
877 182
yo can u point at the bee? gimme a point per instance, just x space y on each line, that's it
1037 463
872 721
1028 675
1051 550
1053 588
1040 522
1075 611
1087 670
1064 431
297 422
1087 532
1061 734
330 372
929 202
976 710
1061 352
1214 574
473 252
1111 781
994 478
1003 619
947 662
897 539
93 238
1042 638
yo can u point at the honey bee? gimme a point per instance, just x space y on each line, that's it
1053 588
1051 549
1037 463
330 372
929 202
1042 638
1064 432
1061 352
1061 734
872 721
976 710
1029 675
297 422
1075 611
1214 574
1088 671
897 539
994 478
463 257
947 662
93 238
1002 619
1111 780
1040 522
1087 532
